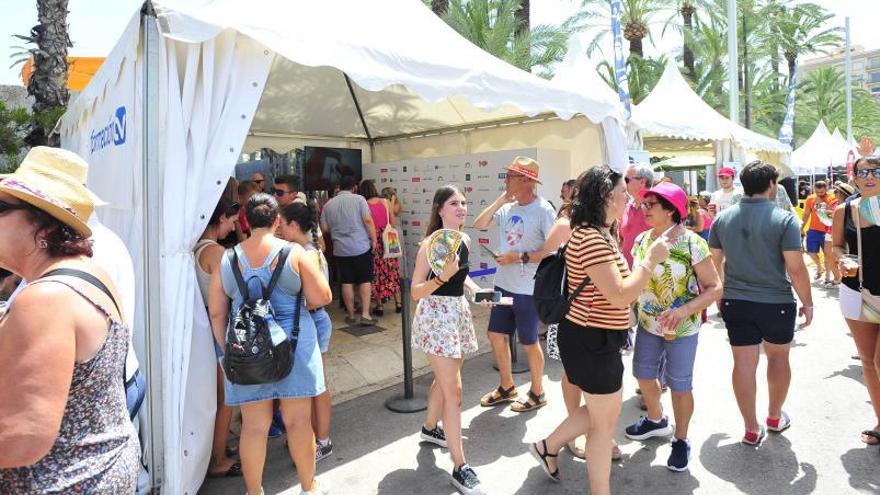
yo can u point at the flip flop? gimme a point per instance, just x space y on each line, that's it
233 471
871 434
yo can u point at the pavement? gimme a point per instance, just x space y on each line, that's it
377 451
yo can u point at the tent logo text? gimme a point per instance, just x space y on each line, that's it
114 133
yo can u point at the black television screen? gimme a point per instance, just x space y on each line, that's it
325 166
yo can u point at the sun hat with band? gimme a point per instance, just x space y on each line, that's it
672 193
526 167
43 182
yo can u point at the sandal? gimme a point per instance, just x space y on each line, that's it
233 471
498 396
542 458
531 403
398 308
871 437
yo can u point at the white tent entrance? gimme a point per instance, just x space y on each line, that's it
191 84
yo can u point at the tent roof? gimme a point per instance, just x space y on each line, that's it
408 77
819 151
673 109
578 73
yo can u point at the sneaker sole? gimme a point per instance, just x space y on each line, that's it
465 490
660 432
430 439
678 469
780 430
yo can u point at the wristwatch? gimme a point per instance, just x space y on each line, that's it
524 258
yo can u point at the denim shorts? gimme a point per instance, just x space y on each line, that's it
324 327
680 355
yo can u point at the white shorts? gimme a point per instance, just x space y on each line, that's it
850 303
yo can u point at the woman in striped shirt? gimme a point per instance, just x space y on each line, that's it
592 333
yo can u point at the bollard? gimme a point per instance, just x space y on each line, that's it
409 402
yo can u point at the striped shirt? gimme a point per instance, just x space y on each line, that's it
587 247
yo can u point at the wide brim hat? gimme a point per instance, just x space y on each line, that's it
526 167
66 162
672 193
40 182
846 188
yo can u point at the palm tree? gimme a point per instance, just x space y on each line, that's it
638 15
48 83
710 69
800 30
493 26
691 12
642 75
439 7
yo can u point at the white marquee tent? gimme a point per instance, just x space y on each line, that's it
821 150
196 82
674 110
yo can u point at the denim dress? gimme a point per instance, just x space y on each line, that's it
306 379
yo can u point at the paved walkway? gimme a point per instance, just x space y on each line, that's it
377 451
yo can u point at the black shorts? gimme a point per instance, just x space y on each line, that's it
355 269
749 322
591 357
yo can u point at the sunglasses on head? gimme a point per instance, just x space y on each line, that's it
6 206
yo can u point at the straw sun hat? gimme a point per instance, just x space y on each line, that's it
51 179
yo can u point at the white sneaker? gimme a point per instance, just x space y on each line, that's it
317 489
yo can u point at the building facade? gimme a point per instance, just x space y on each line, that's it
865 67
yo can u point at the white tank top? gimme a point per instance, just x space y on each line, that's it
203 277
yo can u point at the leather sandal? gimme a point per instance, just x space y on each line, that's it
542 458
499 396
871 437
531 403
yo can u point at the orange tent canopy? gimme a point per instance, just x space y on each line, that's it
79 71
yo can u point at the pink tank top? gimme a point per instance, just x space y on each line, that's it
379 214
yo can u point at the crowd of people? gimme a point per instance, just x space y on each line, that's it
643 263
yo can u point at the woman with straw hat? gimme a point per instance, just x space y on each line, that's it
68 431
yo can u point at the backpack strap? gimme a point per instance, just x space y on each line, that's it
87 277
236 273
296 314
276 273
584 282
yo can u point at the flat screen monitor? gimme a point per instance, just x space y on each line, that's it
325 166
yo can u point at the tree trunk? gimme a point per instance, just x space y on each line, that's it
791 58
440 7
523 23
687 14
747 113
48 83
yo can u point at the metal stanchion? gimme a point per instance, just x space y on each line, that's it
516 366
410 401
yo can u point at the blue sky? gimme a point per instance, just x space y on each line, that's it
96 24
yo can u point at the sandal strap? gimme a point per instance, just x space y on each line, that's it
546 451
872 433
536 399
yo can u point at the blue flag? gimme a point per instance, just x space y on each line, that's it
786 132
619 60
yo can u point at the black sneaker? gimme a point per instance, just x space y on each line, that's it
436 436
680 456
644 428
323 451
465 480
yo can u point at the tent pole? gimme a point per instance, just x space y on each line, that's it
357 106
152 203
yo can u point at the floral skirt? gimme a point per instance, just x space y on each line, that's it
386 275
443 326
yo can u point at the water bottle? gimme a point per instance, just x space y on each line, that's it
275 331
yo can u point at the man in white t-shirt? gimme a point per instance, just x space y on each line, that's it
524 219
727 196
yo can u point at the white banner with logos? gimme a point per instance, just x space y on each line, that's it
480 177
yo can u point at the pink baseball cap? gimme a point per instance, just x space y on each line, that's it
726 171
672 193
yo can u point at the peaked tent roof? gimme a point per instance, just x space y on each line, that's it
408 77
673 109
818 152
578 73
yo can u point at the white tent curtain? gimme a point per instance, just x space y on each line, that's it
210 94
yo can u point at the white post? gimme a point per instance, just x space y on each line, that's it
732 61
848 63
152 207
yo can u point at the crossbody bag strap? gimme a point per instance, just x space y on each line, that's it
855 215
88 277
276 273
296 315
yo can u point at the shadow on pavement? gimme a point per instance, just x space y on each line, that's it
427 473
861 465
853 372
771 468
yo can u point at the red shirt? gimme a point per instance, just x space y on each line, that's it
242 221
632 225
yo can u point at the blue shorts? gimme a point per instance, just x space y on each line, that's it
324 327
815 241
521 317
680 355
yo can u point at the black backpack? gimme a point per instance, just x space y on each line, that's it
251 357
551 288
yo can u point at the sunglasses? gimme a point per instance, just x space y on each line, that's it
513 176
863 173
279 192
5 206
649 204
